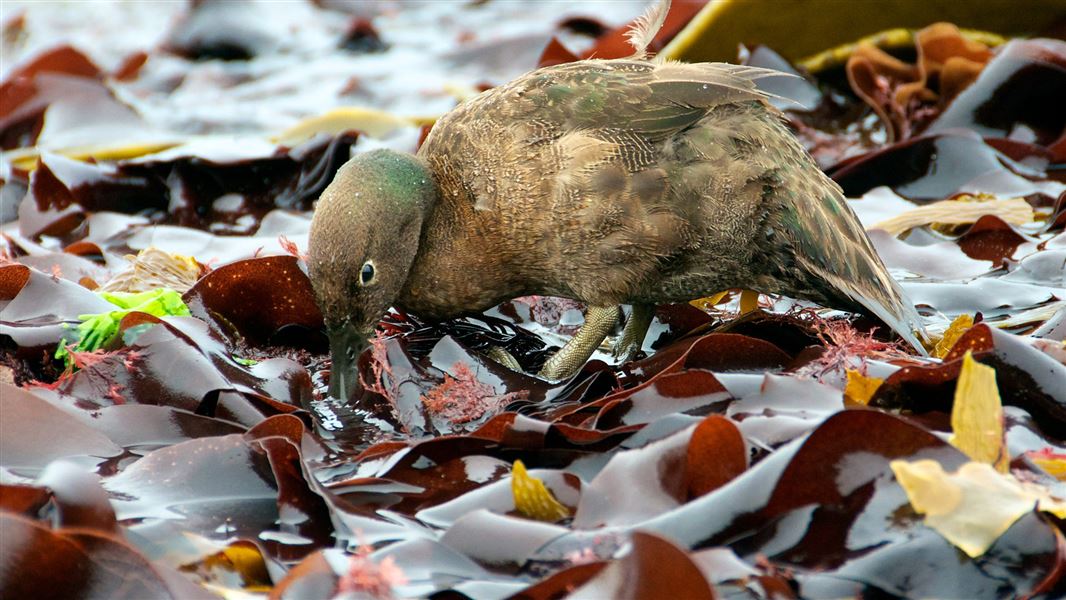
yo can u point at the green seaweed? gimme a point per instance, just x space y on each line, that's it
98 330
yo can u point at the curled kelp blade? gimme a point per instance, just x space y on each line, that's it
716 30
889 40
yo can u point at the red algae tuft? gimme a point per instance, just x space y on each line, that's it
366 578
462 398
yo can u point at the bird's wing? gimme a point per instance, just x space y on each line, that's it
615 114
651 100
604 127
580 117
581 146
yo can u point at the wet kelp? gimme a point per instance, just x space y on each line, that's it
763 453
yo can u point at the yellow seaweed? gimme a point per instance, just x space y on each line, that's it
532 499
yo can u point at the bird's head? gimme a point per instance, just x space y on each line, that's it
364 237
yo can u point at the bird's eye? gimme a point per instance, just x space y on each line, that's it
366 275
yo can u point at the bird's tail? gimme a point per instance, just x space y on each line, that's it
832 247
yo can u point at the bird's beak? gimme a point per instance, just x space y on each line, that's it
346 343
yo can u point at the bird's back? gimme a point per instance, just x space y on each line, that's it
632 181
575 178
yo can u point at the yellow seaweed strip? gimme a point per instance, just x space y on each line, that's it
749 301
860 388
532 499
961 211
374 123
970 508
959 326
707 302
1052 463
977 415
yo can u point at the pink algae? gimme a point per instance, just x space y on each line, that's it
366 578
462 398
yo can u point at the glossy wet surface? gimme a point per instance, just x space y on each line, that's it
727 461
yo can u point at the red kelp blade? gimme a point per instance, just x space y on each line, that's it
41 563
253 485
826 469
991 238
717 453
499 542
614 43
656 472
78 501
498 496
445 476
25 94
1026 378
37 308
1021 88
33 433
908 560
1042 268
994 297
561 582
692 391
939 260
667 472
25 500
555 53
653 568
432 472
749 499
62 191
784 408
830 505
257 298
917 169
313 577
211 382
69 266
181 188
141 428
713 352
66 541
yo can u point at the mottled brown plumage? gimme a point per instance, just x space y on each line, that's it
606 181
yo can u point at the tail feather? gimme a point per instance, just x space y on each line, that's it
646 26
828 244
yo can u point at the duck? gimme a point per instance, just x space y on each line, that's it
635 181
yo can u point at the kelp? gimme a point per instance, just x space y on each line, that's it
755 446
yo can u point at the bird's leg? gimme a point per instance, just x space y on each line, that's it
628 344
502 356
599 320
